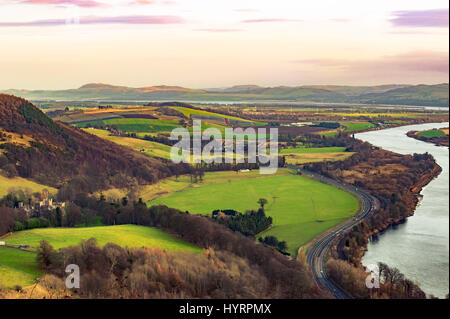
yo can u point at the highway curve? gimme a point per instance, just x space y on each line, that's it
317 253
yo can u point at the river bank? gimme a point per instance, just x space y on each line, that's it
418 245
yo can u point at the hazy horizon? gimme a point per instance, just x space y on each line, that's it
62 44
218 88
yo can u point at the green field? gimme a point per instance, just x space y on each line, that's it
17 267
374 115
148 147
123 235
135 125
17 182
431 133
301 208
188 112
312 150
353 127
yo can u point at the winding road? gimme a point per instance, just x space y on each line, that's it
317 253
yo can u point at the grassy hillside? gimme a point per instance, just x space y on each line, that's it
150 148
17 182
296 204
432 95
123 235
17 267
63 156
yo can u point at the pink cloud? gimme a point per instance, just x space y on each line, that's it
425 18
100 20
148 2
80 3
270 20
219 30
143 2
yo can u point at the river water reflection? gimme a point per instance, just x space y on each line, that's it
420 247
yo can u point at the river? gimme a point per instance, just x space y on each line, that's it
419 248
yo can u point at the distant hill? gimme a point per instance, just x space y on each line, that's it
52 153
428 95
396 94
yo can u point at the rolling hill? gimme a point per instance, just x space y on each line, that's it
62 156
416 95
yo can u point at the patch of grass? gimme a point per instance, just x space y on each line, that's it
294 202
17 267
395 122
431 133
18 182
150 148
354 127
375 115
135 124
291 234
123 235
312 150
330 133
302 158
188 112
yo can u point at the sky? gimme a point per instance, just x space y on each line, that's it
61 44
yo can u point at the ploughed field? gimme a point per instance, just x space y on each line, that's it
301 208
19 267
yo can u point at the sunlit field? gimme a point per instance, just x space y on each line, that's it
297 204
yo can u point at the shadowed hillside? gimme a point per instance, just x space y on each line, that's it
59 155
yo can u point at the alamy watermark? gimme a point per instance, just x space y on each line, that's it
373 279
239 145
73 279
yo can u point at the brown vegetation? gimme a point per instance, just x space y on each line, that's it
396 180
63 156
392 283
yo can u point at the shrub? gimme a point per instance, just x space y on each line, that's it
34 223
18 226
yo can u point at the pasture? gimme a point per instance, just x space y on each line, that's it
303 158
374 114
17 267
134 124
188 112
298 205
312 150
303 155
123 235
357 126
148 147
7 184
432 133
